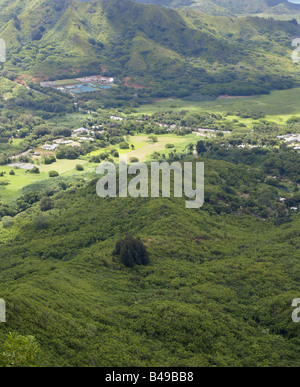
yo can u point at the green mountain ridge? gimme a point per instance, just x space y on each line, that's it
231 7
163 49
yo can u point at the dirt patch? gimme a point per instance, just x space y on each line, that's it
136 86
149 240
22 79
44 152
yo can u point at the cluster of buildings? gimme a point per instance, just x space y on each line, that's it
83 131
81 85
80 134
292 139
49 147
96 79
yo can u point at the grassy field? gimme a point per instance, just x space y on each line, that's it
22 178
144 148
61 166
277 106
17 182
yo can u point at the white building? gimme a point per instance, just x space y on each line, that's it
79 131
116 118
86 139
50 147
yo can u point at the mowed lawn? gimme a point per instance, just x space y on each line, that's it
16 182
61 166
22 178
279 105
144 148
144 153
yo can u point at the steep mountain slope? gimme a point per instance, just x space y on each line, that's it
231 7
111 22
123 36
168 51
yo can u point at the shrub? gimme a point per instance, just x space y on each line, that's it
131 251
67 152
95 159
124 145
114 153
103 156
53 174
49 160
79 167
34 170
200 147
152 138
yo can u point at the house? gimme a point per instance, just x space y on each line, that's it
76 132
50 147
116 118
86 139
80 130
67 142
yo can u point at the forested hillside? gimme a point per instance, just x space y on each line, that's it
167 52
217 291
124 282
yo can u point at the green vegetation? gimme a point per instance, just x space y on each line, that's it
53 174
268 106
131 251
219 279
79 167
19 351
232 7
188 287
164 53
